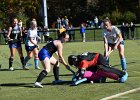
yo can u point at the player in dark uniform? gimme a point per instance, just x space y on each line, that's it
93 66
45 56
14 38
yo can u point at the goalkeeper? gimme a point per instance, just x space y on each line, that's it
94 67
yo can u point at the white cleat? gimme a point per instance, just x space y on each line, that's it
38 85
37 67
11 69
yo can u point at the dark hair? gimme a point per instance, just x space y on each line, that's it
63 34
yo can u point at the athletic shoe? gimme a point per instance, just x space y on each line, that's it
58 81
11 69
37 67
38 85
25 68
124 77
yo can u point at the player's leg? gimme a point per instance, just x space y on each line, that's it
11 59
122 57
19 49
112 73
47 67
35 51
55 64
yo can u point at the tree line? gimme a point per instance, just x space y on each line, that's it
78 10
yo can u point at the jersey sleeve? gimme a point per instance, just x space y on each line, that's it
30 33
117 30
83 64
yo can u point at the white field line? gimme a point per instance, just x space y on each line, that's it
121 94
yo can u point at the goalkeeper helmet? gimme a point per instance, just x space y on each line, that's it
72 59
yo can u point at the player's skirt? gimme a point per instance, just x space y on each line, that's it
29 48
43 53
15 45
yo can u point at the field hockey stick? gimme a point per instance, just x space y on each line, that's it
79 81
110 52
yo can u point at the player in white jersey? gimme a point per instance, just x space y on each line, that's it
113 40
31 45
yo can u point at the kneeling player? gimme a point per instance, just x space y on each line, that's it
94 67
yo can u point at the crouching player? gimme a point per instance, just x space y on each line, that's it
94 67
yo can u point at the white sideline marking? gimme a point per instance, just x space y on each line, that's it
121 94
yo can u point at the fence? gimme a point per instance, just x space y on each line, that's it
92 34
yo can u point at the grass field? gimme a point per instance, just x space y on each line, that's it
18 84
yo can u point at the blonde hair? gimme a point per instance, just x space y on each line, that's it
33 24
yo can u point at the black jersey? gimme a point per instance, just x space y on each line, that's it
15 33
50 47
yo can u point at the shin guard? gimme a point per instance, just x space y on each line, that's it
56 71
123 63
22 61
11 60
41 76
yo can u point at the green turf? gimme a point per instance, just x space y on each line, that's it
18 84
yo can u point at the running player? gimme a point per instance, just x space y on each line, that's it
31 45
45 56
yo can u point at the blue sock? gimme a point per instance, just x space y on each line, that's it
123 63
26 59
36 62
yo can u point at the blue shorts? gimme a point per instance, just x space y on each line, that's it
29 48
43 53
15 45
113 44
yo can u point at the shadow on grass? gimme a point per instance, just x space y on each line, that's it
16 84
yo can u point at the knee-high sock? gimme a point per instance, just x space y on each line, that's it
22 61
56 71
11 62
123 63
26 60
36 62
41 76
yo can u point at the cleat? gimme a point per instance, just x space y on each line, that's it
124 77
11 69
37 67
25 68
58 81
38 85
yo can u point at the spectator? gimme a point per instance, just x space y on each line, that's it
127 30
58 23
71 32
96 22
132 29
83 32
123 30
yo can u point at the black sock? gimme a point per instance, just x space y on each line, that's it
11 62
56 72
22 61
41 76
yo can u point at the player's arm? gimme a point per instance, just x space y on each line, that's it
9 32
105 46
61 58
119 40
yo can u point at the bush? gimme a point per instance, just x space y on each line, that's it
129 16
